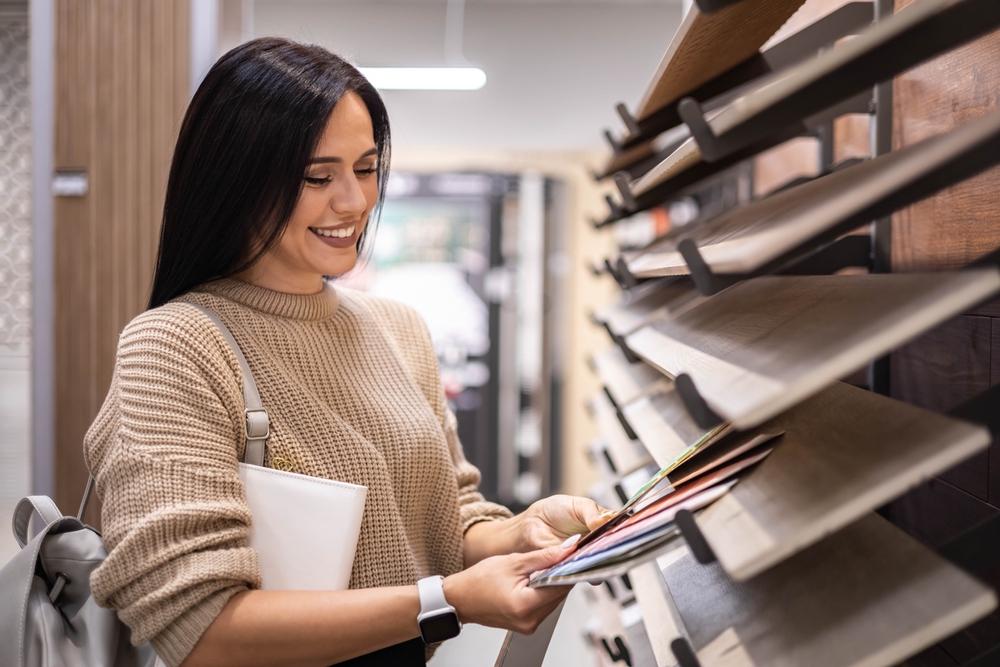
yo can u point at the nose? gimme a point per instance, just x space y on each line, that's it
349 199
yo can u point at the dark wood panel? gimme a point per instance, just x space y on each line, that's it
937 512
940 370
995 449
121 90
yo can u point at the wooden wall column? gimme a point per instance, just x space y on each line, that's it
122 84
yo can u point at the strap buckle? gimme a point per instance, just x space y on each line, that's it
257 424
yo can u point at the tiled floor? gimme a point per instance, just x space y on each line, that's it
478 646
15 461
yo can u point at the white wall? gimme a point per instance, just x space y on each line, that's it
555 69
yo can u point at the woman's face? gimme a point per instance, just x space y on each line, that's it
340 190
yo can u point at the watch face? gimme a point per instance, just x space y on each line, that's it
436 629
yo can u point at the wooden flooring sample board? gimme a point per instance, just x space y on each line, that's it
663 424
748 238
844 452
706 45
643 302
626 454
758 348
868 595
626 381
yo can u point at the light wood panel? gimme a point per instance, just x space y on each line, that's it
658 612
868 595
663 424
122 84
750 237
762 346
694 56
637 306
624 381
626 454
845 452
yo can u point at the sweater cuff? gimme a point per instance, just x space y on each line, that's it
472 513
178 639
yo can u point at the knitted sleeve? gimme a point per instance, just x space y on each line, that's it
164 452
411 337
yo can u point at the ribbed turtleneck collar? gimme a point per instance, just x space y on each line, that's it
309 307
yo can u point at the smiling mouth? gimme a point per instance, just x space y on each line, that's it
339 233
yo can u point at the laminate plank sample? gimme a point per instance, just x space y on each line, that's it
748 238
623 380
644 302
764 345
867 595
845 452
626 454
658 611
860 62
663 424
706 45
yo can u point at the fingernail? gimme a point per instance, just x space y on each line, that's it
570 541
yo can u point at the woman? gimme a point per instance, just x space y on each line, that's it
281 160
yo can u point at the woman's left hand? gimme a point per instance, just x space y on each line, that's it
555 519
545 523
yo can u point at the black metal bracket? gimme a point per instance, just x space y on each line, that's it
695 403
708 283
631 124
685 655
625 190
616 213
712 148
694 537
621 654
626 426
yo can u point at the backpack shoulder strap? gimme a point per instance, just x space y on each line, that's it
256 425
46 509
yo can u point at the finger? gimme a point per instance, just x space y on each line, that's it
590 513
543 558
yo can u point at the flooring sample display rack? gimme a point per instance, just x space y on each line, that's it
767 575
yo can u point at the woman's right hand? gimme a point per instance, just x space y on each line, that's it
494 592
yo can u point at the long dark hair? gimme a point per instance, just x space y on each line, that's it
243 149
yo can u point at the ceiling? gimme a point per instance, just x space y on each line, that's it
555 68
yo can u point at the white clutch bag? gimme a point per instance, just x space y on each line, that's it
305 529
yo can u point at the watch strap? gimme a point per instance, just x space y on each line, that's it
431 592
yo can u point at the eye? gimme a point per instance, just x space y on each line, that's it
317 180
365 173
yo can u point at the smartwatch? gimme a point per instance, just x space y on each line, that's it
438 620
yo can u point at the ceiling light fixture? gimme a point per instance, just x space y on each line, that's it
425 78
458 75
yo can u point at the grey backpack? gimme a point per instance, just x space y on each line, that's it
48 617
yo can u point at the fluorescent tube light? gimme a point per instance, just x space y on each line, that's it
425 78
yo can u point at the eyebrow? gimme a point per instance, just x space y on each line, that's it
337 160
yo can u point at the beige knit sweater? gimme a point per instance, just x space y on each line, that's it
352 388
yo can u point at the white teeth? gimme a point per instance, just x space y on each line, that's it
341 233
